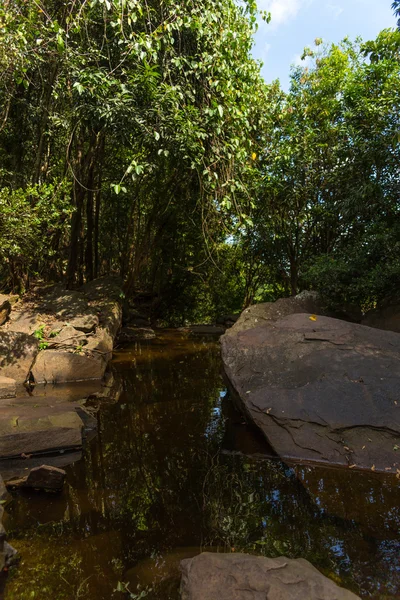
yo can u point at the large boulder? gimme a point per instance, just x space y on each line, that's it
17 353
320 389
5 308
387 318
8 387
212 576
257 314
57 366
69 337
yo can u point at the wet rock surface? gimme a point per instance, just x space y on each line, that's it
320 389
211 576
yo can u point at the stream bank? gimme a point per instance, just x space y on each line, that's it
174 470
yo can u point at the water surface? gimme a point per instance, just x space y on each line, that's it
174 470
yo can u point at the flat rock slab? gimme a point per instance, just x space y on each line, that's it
40 442
27 430
17 353
320 389
214 576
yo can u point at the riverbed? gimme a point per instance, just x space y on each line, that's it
174 470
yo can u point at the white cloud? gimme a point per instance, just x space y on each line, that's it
334 10
301 62
282 10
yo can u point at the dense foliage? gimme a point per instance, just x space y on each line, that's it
140 138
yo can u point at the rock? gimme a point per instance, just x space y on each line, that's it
133 317
101 344
104 288
212 576
4 497
17 353
320 389
58 366
133 334
86 322
8 555
44 477
5 308
27 430
111 317
204 329
66 304
69 337
24 320
8 387
15 468
256 315
228 320
387 318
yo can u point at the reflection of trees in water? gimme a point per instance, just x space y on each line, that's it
345 524
155 479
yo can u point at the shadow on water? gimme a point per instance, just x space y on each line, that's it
174 470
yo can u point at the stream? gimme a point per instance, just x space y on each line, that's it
174 471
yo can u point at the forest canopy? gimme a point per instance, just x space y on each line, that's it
139 138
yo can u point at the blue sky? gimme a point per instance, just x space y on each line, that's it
297 23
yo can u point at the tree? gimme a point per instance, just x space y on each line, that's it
396 10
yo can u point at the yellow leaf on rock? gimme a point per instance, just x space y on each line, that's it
313 318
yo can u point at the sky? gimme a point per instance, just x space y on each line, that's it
297 23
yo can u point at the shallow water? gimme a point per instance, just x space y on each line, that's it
173 471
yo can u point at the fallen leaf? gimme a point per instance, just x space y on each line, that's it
363 448
313 318
268 410
388 468
396 447
352 466
373 468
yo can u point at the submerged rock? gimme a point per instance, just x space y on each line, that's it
212 576
320 389
204 329
133 334
44 477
